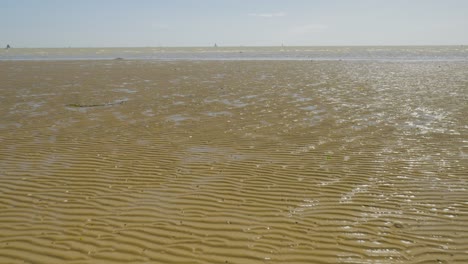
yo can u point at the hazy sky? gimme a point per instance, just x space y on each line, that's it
91 23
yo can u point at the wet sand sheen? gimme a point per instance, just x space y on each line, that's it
233 162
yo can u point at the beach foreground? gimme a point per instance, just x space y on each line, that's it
233 162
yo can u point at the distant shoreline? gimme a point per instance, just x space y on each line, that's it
233 46
298 53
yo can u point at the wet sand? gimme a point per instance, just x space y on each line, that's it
233 162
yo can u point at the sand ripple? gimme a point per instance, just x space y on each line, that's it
233 162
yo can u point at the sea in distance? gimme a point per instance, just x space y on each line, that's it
234 155
383 53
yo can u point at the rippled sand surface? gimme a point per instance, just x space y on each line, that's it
233 162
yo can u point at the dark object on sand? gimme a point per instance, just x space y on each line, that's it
95 105
8 46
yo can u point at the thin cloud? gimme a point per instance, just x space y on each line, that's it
268 15
308 29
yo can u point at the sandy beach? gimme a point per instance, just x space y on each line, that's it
121 161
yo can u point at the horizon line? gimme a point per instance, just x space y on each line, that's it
232 46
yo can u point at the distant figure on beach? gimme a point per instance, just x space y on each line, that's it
215 45
8 46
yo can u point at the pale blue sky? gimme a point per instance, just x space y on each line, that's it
139 23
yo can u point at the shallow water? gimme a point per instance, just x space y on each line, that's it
380 53
233 162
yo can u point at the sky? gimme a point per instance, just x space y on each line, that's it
144 23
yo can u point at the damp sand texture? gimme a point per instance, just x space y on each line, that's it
233 162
